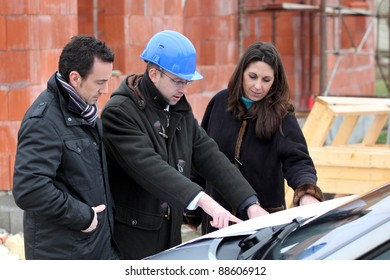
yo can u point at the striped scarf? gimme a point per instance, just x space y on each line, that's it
77 104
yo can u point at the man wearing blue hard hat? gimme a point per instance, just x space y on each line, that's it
153 141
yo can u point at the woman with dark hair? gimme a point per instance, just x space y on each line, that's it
254 125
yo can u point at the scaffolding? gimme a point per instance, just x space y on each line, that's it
336 14
383 42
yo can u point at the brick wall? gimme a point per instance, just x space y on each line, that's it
32 34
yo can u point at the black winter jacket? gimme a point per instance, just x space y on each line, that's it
264 164
60 173
148 171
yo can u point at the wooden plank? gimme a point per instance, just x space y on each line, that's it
289 195
317 125
347 186
344 168
345 130
359 109
345 173
352 100
351 156
375 129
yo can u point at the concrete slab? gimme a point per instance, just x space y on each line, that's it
11 216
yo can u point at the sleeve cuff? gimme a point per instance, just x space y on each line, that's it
248 202
194 203
307 189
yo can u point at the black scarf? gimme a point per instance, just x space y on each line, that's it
150 90
77 104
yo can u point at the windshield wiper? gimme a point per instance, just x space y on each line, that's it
260 244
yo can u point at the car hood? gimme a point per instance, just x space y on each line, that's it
286 216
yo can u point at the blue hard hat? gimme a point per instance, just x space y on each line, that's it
174 53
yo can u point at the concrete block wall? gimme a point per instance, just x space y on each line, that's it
32 34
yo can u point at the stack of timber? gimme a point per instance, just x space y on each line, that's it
348 168
345 168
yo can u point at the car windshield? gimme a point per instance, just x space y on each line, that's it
325 234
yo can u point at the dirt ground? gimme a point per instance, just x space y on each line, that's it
12 246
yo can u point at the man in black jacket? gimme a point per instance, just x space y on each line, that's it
152 140
60 176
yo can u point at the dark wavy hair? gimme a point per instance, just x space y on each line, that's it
269 112
80 53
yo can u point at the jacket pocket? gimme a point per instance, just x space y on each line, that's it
81 163
78 146
138 219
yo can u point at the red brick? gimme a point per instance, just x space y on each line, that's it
3 37
223 8
120 57
172 22
227 52
133 62
154 7
113 84
18 7
224 72
210 7
11 170
192 8
289 63
118 9
49 26
58 7
172 7
17 29
85 9
8 137
210 27
194 88
85 18
209 82
199 103
20 100
359 5
136 35
256 3
115 30
192 29
48 64
135 7
209 51
45 30
5 180
14 66
3 105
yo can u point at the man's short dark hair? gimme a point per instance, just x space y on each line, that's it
80 53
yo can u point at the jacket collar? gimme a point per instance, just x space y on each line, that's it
143 92
70 118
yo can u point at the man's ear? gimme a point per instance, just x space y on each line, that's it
154 75
74 79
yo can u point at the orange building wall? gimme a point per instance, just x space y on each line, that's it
32 34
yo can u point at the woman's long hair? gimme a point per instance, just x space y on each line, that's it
269 112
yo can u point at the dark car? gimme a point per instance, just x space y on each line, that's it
347 228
